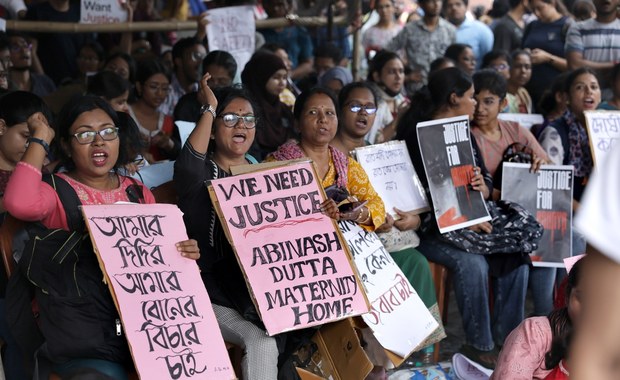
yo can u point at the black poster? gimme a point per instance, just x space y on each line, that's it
445 145
548 195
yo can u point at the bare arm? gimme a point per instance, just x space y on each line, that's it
575 60
200 136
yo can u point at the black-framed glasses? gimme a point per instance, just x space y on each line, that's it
87 137
369 108
231 119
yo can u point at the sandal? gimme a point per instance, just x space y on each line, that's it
487 359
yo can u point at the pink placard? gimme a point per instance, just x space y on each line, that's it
570 262
163 303
291 254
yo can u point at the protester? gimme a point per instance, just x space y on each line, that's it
90 152
566 140
377 36
545 39
123 65
316 117
450 93
358 107
265 77
158 129
539 345
613 104
21 73
463 55
519 99
112 88
387 71
469 30
222 138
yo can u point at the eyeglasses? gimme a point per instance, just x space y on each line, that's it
87 137
19 47
500 67
197 57
158 87
231 119
369 108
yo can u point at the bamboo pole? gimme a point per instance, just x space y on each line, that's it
154 26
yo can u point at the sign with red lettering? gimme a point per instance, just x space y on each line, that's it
294 260
164 306
548 195
102 12
445 147
398 318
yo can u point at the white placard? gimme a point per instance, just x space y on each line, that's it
524 119
232 29
603 131
185 129
392 175
102 12
156 174
2 25
398 318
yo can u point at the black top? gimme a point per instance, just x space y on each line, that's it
220 270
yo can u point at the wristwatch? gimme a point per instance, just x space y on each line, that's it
207 108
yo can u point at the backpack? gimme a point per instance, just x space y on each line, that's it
77 317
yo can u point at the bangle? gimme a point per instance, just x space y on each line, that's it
43 143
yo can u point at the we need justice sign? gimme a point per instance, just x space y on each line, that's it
295 262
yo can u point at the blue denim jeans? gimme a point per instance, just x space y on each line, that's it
471 287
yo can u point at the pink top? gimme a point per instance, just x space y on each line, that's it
523 354
30 199
493 151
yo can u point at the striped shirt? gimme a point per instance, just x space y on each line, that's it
597 42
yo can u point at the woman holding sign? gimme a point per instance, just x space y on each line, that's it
90 151
317 121
222 137
358 107
450 93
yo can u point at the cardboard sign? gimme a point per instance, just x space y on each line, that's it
445 146
153 175
548 195
165 309
526 120
102 12
295 261
391 174
603 132
398 318
232 29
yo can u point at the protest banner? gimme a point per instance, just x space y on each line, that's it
164 306
448 158
153 175
603 132
102 12
232 29
548 195
185 129
392 175
526 120
295 262
398 318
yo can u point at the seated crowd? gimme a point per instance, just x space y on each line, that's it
90 112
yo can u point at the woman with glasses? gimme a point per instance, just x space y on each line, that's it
158 130
463 56
90 150
358 108
222 137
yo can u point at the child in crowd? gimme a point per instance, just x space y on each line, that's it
519 100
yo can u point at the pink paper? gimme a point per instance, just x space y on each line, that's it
569 262
166 311
291 254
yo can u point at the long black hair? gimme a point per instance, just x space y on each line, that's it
561 323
